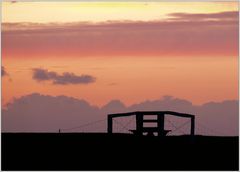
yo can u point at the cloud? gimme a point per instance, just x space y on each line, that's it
38 113
223 16
3 71
64 79
182 34
114 106
112 84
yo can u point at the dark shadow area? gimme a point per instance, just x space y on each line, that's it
101 151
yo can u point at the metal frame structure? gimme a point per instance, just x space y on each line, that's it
140 129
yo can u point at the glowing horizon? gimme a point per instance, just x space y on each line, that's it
105 11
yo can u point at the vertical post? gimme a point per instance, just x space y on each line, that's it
139 124
109 125
192 125
160 125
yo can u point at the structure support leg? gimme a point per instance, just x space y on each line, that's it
109 128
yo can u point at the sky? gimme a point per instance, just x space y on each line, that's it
131 51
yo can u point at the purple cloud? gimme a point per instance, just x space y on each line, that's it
64 79
37 113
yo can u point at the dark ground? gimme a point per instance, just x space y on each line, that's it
28 151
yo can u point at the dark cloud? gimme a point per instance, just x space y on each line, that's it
184 34
37 113
64 79
3 71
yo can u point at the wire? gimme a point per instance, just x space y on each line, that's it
185 123
209 129
121 125
175 127
84 125
129 122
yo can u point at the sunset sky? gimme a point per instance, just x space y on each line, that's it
131 51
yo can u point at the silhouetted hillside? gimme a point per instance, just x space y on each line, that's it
68 151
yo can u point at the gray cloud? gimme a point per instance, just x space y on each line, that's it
3 71
37 113
64 79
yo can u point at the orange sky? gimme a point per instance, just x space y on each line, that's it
132 61
199 80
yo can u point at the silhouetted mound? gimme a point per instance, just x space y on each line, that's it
69 151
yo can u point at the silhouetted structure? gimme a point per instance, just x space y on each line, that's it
159 120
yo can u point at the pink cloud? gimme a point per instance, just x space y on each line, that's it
185 34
